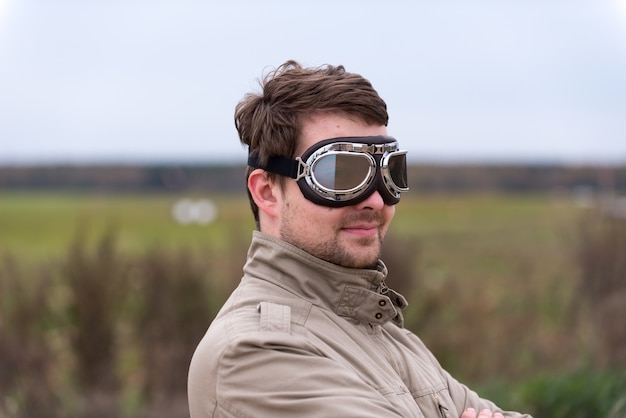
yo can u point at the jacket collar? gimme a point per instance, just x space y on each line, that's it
360 294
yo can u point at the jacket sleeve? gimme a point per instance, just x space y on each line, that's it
458 397
277 375
464 398
461 396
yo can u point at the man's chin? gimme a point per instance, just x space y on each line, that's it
362 260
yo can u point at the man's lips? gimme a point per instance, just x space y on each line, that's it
362 228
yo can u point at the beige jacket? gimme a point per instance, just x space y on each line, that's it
301 337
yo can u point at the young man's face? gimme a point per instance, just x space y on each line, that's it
349 236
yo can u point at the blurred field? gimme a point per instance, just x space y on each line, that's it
41 225
494 281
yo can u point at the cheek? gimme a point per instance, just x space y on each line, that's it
310 219
314 217
296 207
388 213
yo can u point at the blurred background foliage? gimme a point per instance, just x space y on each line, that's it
520 293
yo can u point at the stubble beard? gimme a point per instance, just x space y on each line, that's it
336 252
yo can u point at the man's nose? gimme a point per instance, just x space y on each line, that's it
373 201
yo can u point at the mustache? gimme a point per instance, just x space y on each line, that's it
362 217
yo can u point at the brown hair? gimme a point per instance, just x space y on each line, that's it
269 122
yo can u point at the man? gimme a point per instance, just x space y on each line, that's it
313 330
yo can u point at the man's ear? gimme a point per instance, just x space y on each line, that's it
265 192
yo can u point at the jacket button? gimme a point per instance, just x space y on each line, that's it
382 302
378 315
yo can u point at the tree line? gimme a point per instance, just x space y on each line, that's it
216 178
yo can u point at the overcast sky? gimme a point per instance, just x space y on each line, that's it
133 81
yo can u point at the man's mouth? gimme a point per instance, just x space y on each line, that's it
362 229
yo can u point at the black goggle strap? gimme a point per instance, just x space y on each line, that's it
276 164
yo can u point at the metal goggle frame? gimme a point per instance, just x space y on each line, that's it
345 171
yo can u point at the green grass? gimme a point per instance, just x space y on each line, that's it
34 226
490 239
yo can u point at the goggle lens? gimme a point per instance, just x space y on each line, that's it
342 171
397 171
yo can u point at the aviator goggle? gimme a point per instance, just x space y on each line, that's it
345 171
